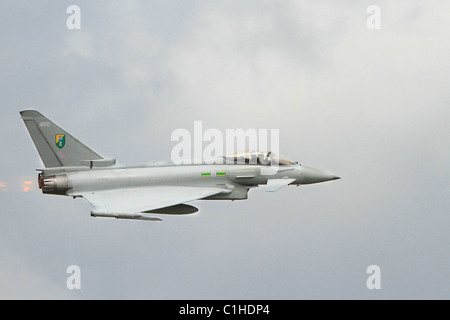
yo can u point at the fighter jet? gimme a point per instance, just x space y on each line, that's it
140 191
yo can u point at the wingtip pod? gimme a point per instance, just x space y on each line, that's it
130 216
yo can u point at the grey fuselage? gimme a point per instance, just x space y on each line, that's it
237 178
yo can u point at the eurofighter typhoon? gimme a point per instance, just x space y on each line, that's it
138 191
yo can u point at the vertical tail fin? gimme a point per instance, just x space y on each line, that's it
56 147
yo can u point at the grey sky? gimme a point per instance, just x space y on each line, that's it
369 105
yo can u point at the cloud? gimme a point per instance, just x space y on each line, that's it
20 281
370 106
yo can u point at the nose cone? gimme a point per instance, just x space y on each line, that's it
311 175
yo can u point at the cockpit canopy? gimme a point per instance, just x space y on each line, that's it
257 157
